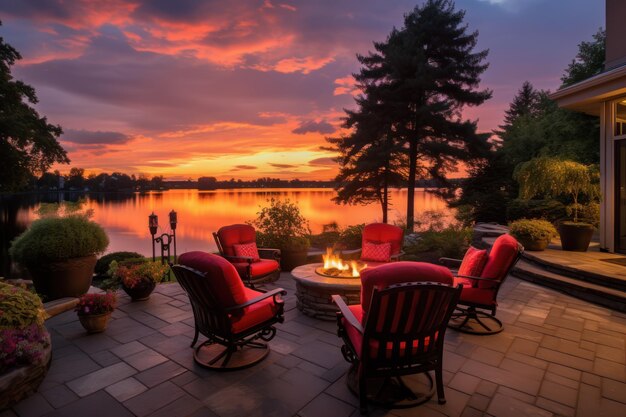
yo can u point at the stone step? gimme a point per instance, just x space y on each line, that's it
591 277
598 294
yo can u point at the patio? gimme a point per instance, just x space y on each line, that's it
557 356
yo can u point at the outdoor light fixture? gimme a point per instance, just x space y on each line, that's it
165 240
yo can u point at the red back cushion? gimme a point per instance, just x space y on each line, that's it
383 233
222 277
376 252
398 272
501 258
248 250
235 234
473 262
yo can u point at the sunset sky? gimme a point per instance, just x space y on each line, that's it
247 88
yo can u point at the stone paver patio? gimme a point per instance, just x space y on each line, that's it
557 356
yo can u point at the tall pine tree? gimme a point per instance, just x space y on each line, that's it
422 77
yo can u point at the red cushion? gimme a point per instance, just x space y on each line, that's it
357 338
235 234
222 276
255 314
248 250
473 262
377 252
262 267
467 283
501 258
398 272
383 233
480 296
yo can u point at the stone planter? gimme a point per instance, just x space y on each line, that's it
22 381
67 278
94 323
141 291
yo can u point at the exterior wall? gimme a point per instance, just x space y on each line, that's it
615 33
607 178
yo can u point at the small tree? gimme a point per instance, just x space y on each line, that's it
281 225
553 177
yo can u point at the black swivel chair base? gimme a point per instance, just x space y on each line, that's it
229 358
472 321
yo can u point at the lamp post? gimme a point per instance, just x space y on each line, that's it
165 240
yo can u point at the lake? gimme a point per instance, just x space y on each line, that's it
200 213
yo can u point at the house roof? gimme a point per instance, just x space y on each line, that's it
588 95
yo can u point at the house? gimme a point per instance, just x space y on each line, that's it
604 95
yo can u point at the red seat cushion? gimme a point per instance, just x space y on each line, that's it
384 233
255 314
235 234
398 272
473 262
248 250
480 296
222 276
357 338
260 268
502 256
376 252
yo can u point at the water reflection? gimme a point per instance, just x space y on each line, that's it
125 216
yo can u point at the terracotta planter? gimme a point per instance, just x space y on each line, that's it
575 236
141 291
289 259
534 244
68 278
95 323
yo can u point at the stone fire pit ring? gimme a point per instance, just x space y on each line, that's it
314 291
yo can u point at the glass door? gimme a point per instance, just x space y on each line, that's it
620 196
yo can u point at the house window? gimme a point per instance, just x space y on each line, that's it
620 119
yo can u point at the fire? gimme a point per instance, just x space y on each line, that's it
332 261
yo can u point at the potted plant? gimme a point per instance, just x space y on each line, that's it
138 277
553 177
60 254
25 349
94 310
533 234
281 225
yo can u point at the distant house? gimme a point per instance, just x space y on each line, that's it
605 96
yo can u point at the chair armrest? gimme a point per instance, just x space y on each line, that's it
450 262
273 293
248 259
397 256
347 313
496 283
269 253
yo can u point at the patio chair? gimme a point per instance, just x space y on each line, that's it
237 243
482 275
381 243
397 330
231 316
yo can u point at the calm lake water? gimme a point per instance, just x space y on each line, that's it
200 213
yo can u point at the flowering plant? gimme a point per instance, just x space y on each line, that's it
132 273
92 304
23 338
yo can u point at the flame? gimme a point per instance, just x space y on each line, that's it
333 261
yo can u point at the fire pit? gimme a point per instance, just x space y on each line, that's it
335 267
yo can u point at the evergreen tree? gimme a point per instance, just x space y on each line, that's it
525 104
420 78
588 62
28 143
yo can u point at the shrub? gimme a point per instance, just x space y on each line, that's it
551 210
131 272
451 242
58 238
24 339
102 266
281 225
532 229
93 304
351 236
